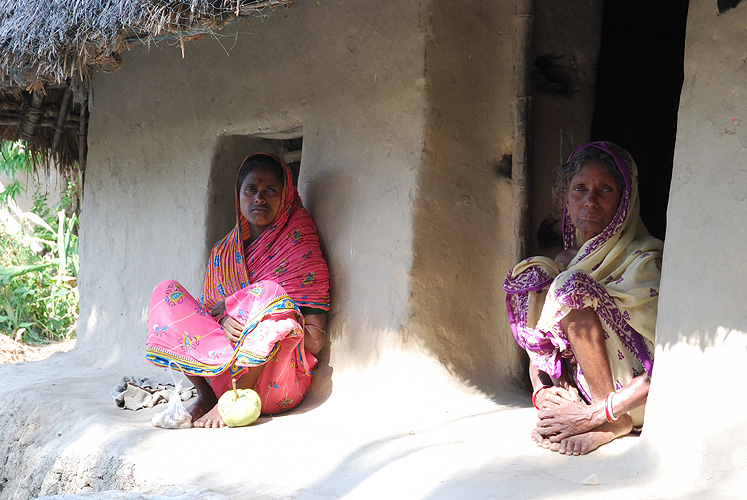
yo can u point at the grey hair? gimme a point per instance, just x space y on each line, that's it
564 174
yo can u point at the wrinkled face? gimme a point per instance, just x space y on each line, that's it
592 199
259 197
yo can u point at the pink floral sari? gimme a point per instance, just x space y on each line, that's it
263 286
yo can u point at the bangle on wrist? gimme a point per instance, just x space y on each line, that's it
314 326
537 391
608 408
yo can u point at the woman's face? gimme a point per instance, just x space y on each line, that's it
259 197
593 198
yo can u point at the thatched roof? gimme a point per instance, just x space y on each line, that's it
49 47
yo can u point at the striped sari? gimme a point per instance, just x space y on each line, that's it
265 286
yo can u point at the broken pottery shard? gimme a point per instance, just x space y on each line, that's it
593 479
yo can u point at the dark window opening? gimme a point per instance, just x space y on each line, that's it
639 80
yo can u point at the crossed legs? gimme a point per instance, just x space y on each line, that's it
566 423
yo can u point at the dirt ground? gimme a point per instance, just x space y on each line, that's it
406 429
12 351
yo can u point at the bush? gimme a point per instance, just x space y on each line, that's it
39 260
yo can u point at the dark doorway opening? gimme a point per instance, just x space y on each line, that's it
639 80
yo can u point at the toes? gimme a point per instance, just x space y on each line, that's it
570 446
216 423
536 437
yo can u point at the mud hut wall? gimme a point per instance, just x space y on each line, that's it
349 76
701 346
463 229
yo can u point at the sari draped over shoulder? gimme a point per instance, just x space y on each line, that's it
616 273
264 284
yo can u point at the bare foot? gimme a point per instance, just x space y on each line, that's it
590 441
540 440
202 405
210 419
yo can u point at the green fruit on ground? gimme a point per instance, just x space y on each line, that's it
239 407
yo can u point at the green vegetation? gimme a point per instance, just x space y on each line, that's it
38 257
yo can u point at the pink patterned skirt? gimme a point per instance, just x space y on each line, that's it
183 335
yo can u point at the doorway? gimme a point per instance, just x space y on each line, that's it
639 80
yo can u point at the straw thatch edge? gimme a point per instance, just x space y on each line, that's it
51 47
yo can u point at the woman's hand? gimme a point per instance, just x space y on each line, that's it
314 332
218 309
231 329
563 414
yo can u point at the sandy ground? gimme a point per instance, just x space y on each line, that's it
373 436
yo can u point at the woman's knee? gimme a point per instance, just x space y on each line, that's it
583 325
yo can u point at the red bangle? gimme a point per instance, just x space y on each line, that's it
534 395
608 408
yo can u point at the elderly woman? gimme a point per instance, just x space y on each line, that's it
587 318
262 314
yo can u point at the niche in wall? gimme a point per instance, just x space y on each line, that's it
230 151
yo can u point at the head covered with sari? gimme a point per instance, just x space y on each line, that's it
616 272
287 252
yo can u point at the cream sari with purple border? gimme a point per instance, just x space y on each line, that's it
616 273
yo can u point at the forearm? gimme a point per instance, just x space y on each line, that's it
315 332
629 398
632 395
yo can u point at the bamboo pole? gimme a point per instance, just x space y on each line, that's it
520 172
61 113
28 127
16 122
81 155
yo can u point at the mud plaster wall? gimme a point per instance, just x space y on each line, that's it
702 326
464 210
565 49
348 74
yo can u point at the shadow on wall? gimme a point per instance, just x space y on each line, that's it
701 302
706 337
725 5
463 229
361 316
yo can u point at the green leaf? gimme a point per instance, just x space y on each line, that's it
10 272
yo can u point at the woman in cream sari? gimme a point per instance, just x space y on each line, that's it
587 318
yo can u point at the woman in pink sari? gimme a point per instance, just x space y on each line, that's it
262 314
